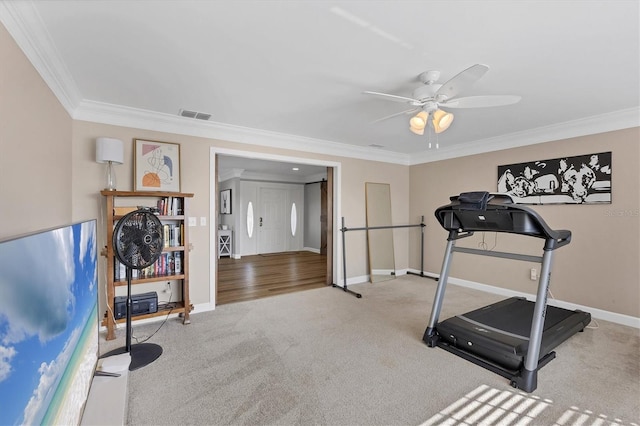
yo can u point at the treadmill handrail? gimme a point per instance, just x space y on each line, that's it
498 213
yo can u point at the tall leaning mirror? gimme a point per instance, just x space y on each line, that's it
379 241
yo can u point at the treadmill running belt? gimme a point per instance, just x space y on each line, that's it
499 332
514 316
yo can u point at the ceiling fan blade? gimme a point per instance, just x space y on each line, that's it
394 98
407 111
481 101
462 81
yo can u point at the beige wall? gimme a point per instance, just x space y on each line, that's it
35 148
600 268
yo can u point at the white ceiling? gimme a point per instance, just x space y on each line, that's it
291 73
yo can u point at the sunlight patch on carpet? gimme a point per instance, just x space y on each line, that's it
489 406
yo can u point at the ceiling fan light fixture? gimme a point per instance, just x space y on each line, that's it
431 95
416 130
418 121
441 120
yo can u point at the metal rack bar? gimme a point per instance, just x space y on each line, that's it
344 229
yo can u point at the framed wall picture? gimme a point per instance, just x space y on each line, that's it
225 201
156 166
580 179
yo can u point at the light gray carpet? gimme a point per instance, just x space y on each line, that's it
324 357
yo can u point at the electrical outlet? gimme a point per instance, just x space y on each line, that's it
534 274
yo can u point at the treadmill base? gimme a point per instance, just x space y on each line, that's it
520 379
495 337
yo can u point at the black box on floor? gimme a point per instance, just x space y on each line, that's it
144 303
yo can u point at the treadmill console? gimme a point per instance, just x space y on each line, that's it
483 211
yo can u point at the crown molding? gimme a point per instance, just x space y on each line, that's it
143 119
602 123
224 175
25 25
117 115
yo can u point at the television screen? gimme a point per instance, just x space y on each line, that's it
48 324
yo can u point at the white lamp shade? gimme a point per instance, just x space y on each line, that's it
417 131
442 120
419 120
109 149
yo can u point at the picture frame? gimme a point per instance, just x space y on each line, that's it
578 179
225 201
156 166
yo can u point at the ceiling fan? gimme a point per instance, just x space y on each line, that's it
429 98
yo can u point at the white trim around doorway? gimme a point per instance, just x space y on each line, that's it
213 217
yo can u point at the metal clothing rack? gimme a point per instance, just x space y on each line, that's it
344 229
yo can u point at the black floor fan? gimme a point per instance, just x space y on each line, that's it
137 242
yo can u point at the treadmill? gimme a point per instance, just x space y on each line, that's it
515 337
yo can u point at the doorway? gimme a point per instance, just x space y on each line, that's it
272 250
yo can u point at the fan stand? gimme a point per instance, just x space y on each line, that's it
142 354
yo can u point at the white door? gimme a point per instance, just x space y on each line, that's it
272 220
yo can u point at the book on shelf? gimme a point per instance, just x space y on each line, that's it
177 258
172 235
177 235
120 271
170 206
165 234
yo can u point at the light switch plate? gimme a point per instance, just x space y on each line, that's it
192 221
203 221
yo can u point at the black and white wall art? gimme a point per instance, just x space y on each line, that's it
582 179
225 201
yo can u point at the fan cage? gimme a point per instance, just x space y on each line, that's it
138 239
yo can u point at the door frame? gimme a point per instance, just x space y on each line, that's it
336 250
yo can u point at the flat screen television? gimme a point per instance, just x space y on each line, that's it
48 324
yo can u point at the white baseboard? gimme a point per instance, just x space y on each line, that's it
203 307
622 319
311 249
384 272
353 280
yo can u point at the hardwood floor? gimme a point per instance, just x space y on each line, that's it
253 277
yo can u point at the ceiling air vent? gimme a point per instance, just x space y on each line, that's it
194 114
